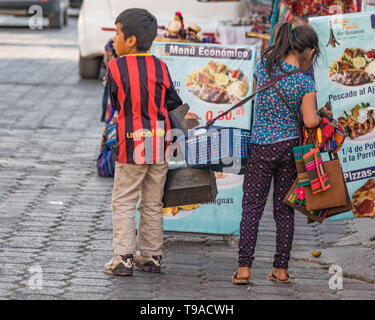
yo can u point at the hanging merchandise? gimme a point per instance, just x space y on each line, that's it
302 174
105 164
324 193
330 135
296 199
332 196
317 175
319 189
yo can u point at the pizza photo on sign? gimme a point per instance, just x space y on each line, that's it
355 67
359 122
217 83
364 200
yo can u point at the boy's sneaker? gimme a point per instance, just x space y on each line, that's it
152 264
124 267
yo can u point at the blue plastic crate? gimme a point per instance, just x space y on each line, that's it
218 148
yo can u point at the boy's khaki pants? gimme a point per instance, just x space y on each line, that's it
131 183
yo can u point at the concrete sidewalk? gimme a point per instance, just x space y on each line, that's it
354 251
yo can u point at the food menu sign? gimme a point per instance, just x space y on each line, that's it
211 78
345 76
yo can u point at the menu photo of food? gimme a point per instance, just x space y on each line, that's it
363 200
218 83
359 122
355 67
179 211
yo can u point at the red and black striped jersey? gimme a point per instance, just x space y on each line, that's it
142 91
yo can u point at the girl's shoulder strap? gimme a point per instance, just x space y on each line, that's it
275 80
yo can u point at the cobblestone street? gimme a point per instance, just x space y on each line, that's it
55 212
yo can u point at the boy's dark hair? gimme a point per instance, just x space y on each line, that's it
139 23
287 38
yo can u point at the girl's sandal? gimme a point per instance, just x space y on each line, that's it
236 280
271 276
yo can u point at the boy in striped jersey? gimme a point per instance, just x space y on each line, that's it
142 92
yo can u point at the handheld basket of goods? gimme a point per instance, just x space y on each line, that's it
216 148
